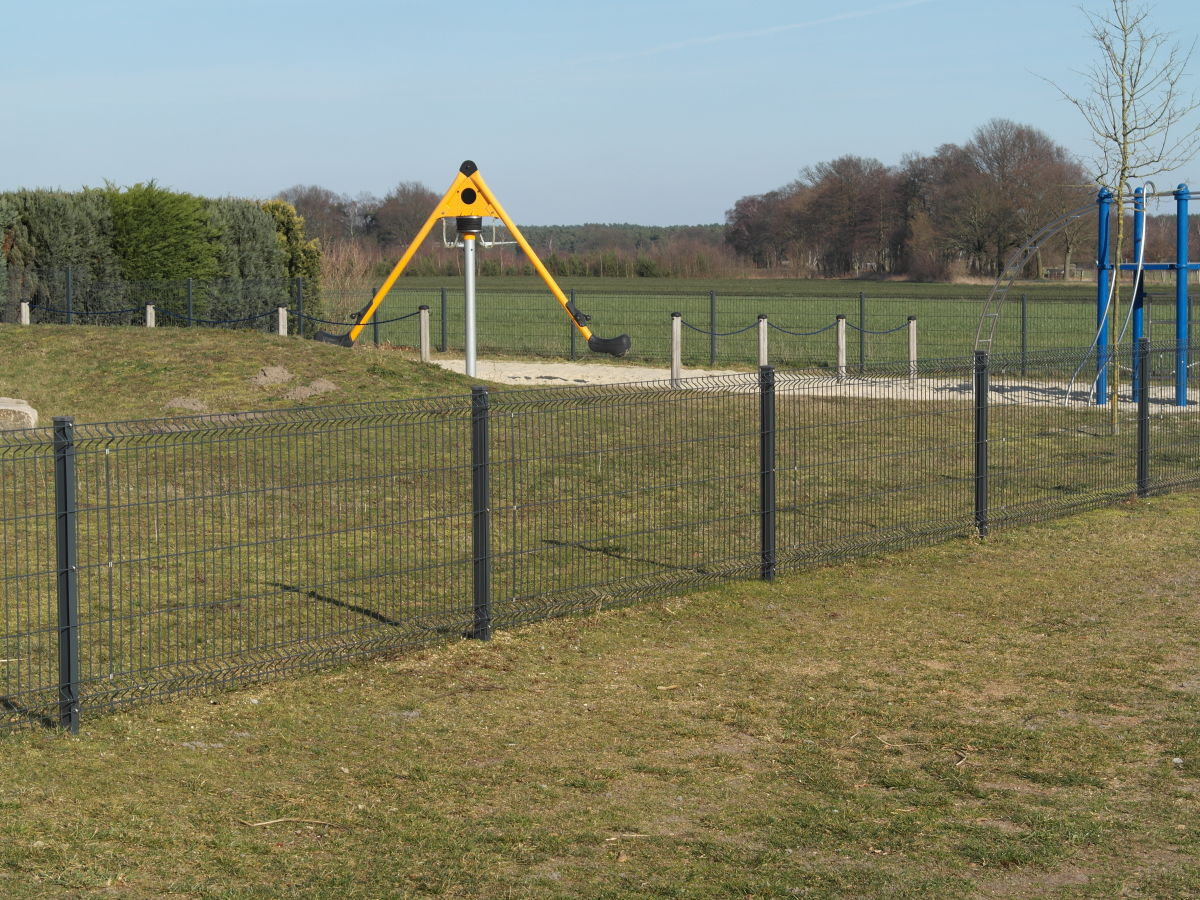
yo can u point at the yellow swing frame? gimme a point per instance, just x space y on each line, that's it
469 196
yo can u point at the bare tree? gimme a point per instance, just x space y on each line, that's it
1138 110
1136 105
324 212
402 213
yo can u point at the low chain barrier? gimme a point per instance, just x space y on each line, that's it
764 325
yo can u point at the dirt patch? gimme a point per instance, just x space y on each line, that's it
191 404
1031 883
269 376
313 389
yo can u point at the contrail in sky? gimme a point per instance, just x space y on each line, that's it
777 29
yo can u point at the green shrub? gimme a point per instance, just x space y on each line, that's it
48 232
301 254
160 235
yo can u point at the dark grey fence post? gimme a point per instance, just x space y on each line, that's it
1024 332
481 515
571 327
70 296
766 468
68 573
300 305
862 331
444 340
981 442
1143 414
191 304
712 328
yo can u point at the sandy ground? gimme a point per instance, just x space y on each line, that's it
546 374
528 373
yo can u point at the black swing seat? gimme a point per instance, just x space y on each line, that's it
617 346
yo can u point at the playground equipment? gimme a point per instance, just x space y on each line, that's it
468 201
1106 284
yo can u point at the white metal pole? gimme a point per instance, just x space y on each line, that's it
912 348
841 347
762 340
24 312
676 348
469 300
149 315
281 325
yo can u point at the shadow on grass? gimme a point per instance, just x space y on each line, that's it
341 604
613 553
365 611
27 714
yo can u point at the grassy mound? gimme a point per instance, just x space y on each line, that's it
98 373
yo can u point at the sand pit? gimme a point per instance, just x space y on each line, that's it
561 374
526 373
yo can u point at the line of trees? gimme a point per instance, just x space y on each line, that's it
958 212
363 235
113 239
955 213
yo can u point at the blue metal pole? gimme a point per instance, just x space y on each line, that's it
1103 283
1181 294
1139 294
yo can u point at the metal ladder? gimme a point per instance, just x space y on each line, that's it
993 306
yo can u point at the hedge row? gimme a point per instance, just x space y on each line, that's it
116 243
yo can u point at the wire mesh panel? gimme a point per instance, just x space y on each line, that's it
1052 448
1174 431
219 549
529 323
604 496
28 573
873 461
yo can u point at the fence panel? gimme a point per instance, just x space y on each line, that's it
1174 431
604 496
873 461
220 549
1052 448
28 576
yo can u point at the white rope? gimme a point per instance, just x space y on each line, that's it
1102 320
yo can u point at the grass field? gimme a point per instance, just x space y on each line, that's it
100 373
240 549
944 723
519 316
1003 719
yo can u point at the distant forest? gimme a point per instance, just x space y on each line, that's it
955 213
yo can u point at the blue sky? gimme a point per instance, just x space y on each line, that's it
655 111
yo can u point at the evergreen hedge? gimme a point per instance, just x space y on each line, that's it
219 260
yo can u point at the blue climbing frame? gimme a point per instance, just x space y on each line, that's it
1104 275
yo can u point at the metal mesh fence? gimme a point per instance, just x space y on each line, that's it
873 461
602 496
63 297
28 573
530 323
221 549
